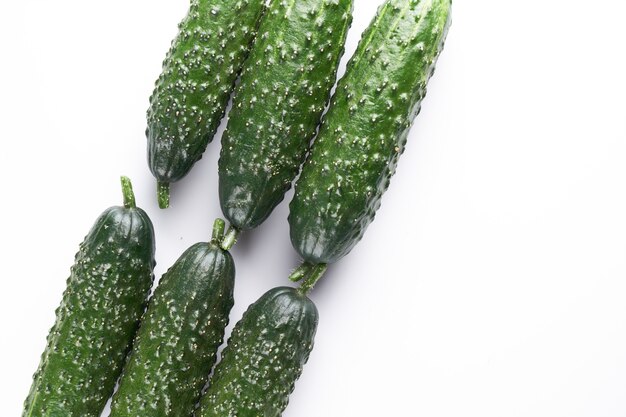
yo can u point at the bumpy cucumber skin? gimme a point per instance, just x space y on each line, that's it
177 343
199 73
366 127
105 296
264 357
285 86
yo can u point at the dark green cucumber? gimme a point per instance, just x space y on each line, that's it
264 357
105 296
177 343
285 86
199 73
366 127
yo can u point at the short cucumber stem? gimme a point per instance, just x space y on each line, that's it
127 192
317 272
218 231
230 238
300 272
163 193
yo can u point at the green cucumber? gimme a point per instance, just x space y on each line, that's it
192 92
105 296
177 343
264 357
365 130
285 86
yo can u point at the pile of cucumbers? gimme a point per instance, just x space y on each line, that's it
160 350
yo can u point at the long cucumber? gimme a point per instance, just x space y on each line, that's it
192 92
277 107
177 343
366 128
105 296
264 357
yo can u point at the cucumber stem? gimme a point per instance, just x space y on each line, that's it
218 231
127 192
230 238
163 193
317 272
300 272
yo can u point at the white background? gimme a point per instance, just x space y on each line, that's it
493 282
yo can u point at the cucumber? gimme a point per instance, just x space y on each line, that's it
192 92
365 130
176 345
285 86
264 357
105 296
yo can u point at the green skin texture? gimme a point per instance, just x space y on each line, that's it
199 74
176 346
285 86
366 128
264 357
105 296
